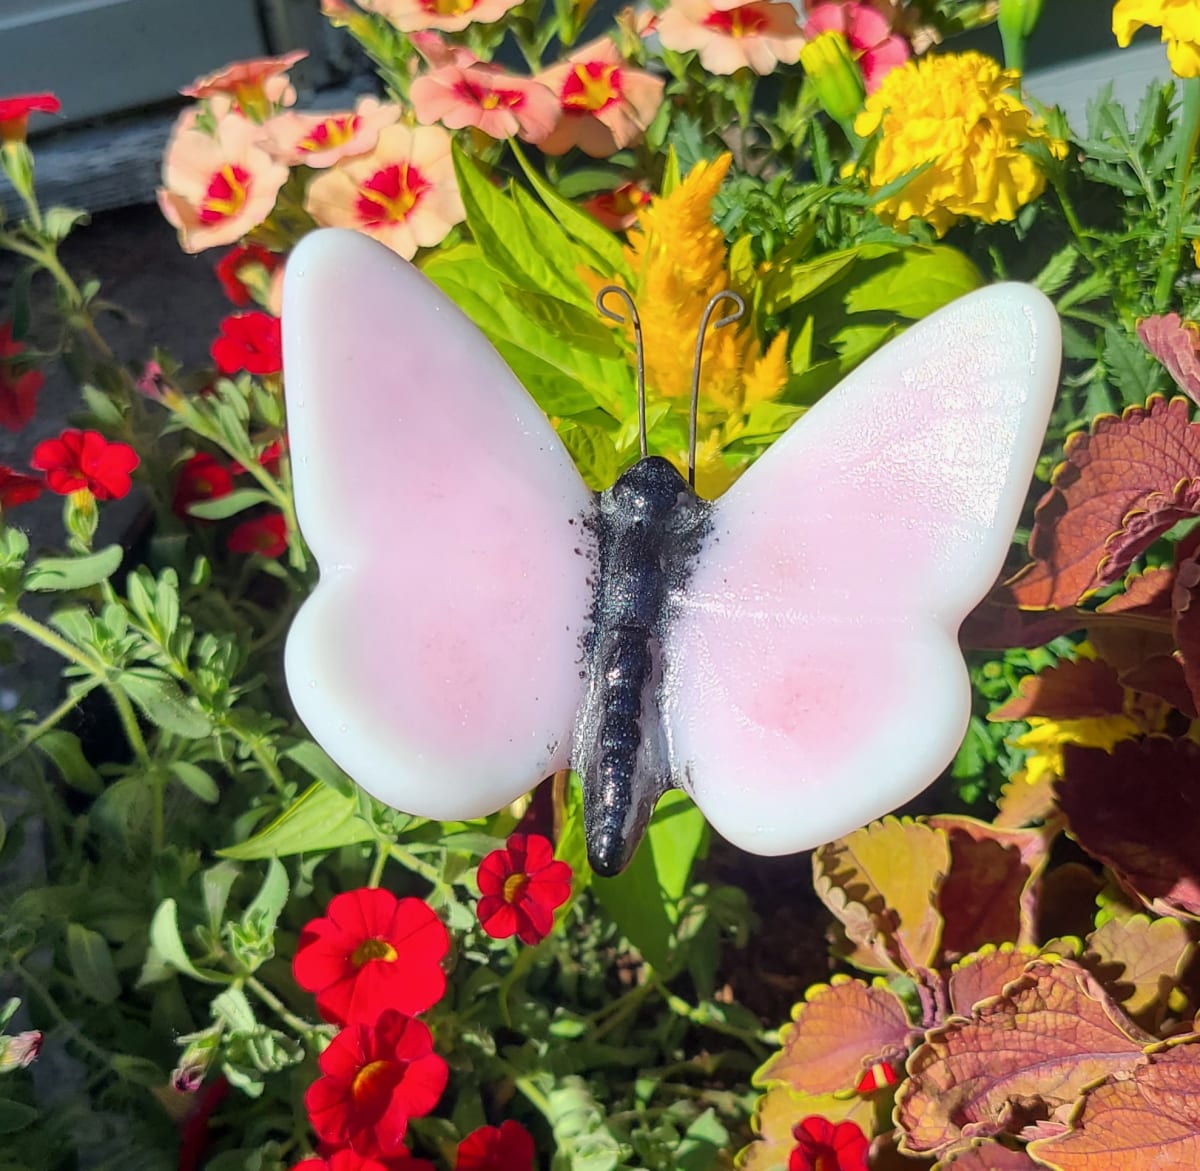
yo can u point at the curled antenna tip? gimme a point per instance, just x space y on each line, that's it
735 314
612 314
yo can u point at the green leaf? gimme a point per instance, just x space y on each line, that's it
92 963
223 506
163 704
263 912
1057 270
74 573
913 282
216 883
321 818
315 761
15 1116
786 284
593 453
57 222
102 408
66 752
196 780
703 1143
168 944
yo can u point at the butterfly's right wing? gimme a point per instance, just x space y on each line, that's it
813 676
438 660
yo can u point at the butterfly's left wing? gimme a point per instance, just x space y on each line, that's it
813 679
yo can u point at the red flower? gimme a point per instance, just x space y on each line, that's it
201 478
17 488
372 951
15 111
348 1160
230 267
521 886
264 535
880 1074
85 459
250 342
194 1130
824 1146
377 1077
508 1147
18 392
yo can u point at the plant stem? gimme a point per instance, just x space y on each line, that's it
411 862
382 852
43 994
297 1024
43 726
1185 150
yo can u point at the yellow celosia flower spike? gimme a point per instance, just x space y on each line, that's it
1180 24
960 116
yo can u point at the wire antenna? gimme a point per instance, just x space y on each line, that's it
613 315
707 323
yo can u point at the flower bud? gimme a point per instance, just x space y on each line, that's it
835 77
20 1051
1017 20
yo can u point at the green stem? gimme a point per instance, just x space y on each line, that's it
43 726
1185 150
304 1028
756 1042
411 862
382 853
535 1096
43 994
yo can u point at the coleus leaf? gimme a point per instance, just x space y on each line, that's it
881 883
1137 809
989 1155
1149 1119
985 974
1121 487
1021 1059
1071 690
1185 606
998 623
837 1032
990 892
1173 342
1024 802
778 1111
1141 962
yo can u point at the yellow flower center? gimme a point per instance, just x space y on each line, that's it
592 86
447 7
389 196
372 949
228 190
514 887
336 131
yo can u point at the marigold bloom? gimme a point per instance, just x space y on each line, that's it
604 106
85 460
18 392
202 477
376 1077
255 86
372 951
757 35
217 187
15 111
507 1147
961 116
618 210
449 16
320 140
521 887
249 341
487 98
264 535
17 488
823 1146
242 263
403 193
875 47
1180 24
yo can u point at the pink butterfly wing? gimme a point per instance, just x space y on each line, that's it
438 660
813 677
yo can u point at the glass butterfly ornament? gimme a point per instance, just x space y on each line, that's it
786 654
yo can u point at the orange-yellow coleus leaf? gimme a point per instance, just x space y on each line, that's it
778 1111
985 974
1150 1119
1136 809
881 882
1121 487
990 893
838 1032
1141 962
1024 802
1022 1058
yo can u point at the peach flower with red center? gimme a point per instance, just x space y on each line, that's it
256 87
449 16
868 33
320 140
618 209
217 187
604 105
757 35
403 193
487 98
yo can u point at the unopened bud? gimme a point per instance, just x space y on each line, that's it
20 1051
1017 19
835 77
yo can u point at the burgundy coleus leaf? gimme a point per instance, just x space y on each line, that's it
1121 487
989 1155
985 974
1185 603
1149 1119
778 1111
1146 594
1071 690
990 894
1140 961
881 883
1137 809
1174 343
1020 1060
838 1032
998 624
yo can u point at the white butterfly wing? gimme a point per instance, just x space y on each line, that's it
813 679
438 660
